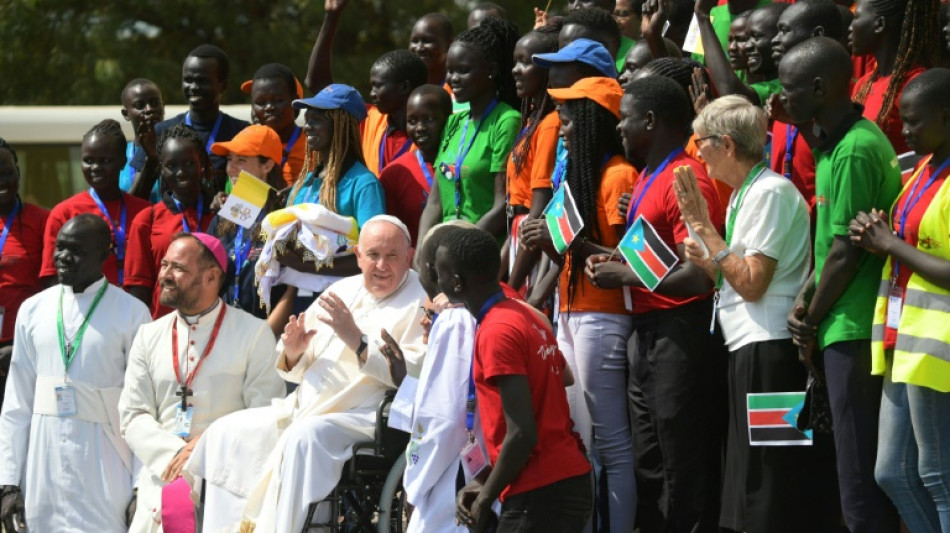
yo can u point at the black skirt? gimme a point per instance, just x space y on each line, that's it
774 489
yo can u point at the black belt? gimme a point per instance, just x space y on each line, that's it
515 210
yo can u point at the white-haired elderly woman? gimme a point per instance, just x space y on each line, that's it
759 268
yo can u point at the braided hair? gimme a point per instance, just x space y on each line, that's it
533 110
183 131
920 33
344 145
595 139
110 128
495 39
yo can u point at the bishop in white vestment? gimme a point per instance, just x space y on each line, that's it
235 374
292 453
75 470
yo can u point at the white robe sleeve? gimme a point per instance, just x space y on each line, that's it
17 411
138 414
261 382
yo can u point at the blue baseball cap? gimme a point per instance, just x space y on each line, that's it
336 96
582 50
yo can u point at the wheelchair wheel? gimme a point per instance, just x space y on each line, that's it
393 509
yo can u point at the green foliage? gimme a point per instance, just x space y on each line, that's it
75 52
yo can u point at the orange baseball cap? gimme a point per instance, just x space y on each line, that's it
606 92
252 141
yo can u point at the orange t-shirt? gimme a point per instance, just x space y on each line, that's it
539 162
617 178
294 164
373 133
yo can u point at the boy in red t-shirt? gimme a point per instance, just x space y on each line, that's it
536 463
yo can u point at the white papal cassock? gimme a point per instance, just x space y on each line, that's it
237 374
292 453
75 471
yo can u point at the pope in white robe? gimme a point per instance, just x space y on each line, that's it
236 374
292 453
75 471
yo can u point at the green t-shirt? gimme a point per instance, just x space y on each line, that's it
626 43
487 156
721 19
765 89
858 173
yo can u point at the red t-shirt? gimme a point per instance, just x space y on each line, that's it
83 203
892 124
913 225
660 209
511 340
149 237
20 262
803 162
406 188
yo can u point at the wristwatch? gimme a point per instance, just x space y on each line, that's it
364 342
721 256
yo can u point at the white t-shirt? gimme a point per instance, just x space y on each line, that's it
772 221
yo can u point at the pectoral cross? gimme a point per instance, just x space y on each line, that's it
184 392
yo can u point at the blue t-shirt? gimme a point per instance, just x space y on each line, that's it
359 194
127 176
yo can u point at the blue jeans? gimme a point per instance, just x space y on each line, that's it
913 454
597 345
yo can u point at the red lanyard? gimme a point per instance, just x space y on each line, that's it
208 348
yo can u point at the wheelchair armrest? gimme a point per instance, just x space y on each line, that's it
382 418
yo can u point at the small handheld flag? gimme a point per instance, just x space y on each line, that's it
245 201
773 417
563 219
646 253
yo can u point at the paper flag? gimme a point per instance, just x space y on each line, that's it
245 201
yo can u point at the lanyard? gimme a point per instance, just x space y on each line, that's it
214 130
913 197
791 133
68 349
463 153
242 250
560 167
184 219
731 223
7 224
204 355
382 149
632 212
118 231
427 174
290 145
470 404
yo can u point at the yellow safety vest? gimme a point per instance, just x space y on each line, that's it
922 350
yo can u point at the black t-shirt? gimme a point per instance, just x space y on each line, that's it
230 127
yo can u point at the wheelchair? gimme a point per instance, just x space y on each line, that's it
370 496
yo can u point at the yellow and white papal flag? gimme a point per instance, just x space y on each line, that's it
245 201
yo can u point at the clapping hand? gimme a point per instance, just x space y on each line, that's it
699 90
605 271
393 354
296 337
872 232
339 318
692 204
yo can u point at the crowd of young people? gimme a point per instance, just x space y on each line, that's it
790 165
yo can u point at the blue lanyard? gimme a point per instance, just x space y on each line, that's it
463 153
913 197
118 232
470 404
184 219
214 130
7 224
632 212
290 145
560 167
791 132
382 149
426 173
242 250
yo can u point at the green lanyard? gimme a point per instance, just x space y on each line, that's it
731 223
68 350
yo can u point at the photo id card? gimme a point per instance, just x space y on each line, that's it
895 300
183 421
65 400
473 459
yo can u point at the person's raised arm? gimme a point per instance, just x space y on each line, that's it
319 67
651 26
720 70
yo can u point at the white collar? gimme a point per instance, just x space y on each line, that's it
202 318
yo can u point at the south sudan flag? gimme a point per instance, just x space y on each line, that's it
563 219
772 417
646 253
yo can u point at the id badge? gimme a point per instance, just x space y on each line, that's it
473 459
447 171
65 400
895 302
183 421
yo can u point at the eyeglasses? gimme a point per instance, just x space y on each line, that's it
622 12
706 138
